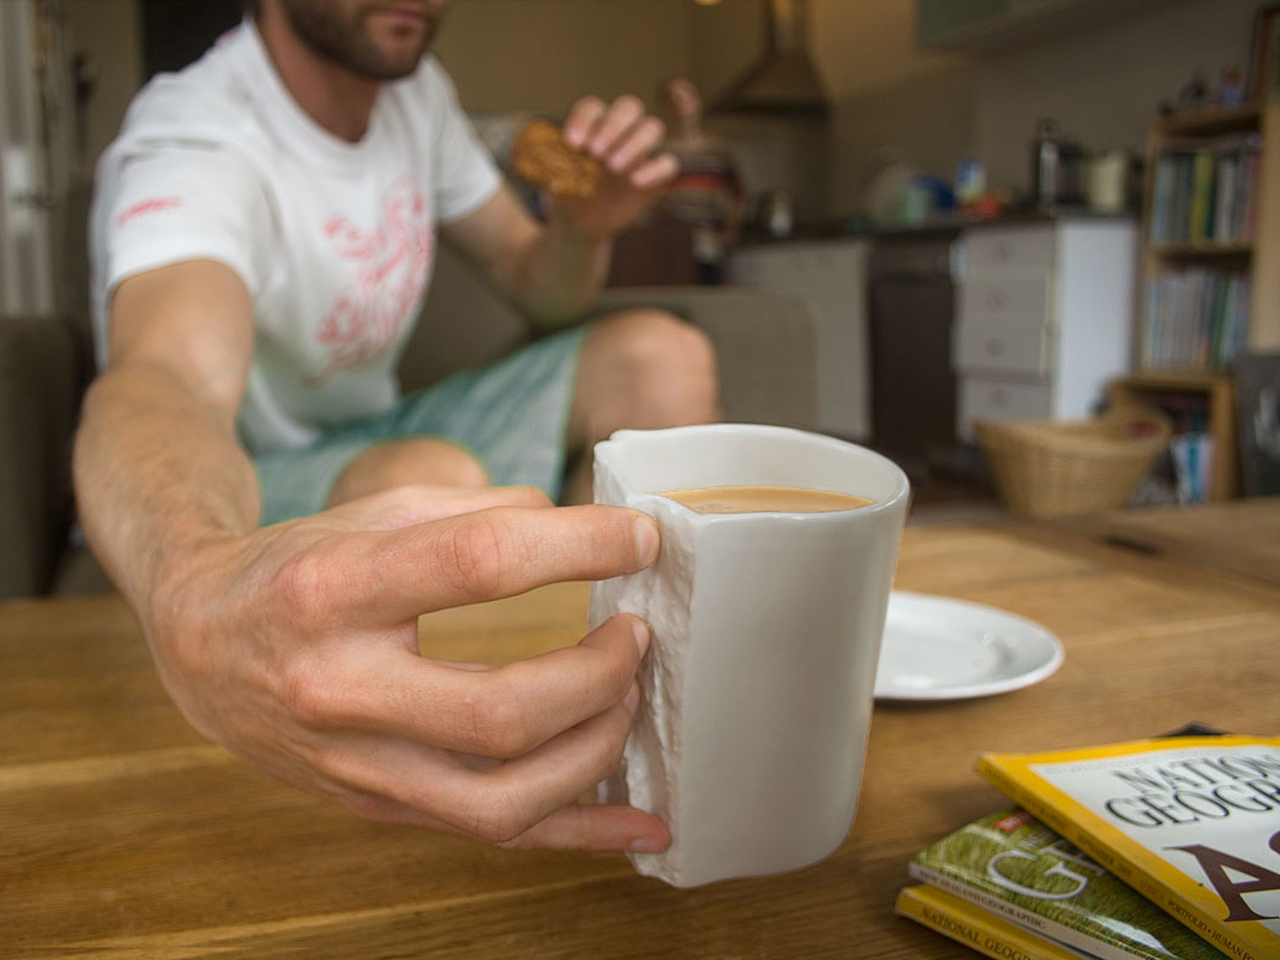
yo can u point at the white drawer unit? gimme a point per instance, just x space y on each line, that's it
997 399
1004 350
1005 299
1045 318
1009 248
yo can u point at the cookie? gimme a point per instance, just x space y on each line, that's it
541 156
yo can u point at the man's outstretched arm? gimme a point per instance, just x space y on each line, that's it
295 645
157 467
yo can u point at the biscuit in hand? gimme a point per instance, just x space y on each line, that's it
541 156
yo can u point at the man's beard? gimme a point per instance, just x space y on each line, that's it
322 28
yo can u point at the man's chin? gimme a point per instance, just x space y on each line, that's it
399 50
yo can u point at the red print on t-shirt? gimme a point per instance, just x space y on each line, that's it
150 205
369 313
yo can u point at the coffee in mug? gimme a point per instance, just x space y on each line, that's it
765 500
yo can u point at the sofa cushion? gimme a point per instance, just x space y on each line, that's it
39 393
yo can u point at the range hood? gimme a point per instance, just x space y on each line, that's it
784 81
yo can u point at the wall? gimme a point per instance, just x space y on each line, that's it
925 122
860 47
540 56
1104 86
724 41
109 32
887 96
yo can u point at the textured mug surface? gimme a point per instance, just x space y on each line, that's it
759 682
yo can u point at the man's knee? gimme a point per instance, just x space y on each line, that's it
416 460
426 460
664 364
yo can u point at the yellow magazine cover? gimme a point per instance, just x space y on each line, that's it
1193 823
976 928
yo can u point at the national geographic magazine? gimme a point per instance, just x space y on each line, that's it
1011 864
1193 823
976 928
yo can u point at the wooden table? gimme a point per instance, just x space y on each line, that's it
123 834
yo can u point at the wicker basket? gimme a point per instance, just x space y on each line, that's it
1053 468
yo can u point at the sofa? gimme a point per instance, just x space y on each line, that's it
764 343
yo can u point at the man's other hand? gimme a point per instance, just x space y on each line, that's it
625 139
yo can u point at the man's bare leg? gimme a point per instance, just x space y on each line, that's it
417 460
640 369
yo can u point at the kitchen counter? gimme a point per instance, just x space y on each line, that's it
940 227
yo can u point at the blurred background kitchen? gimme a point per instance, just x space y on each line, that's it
957 186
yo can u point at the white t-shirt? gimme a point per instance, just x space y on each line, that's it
334 240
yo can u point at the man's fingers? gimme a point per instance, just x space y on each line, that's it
582 827
574 827
582 119
502 712
390 577
639 142
656 172
620 116
529 788
495 802
409 505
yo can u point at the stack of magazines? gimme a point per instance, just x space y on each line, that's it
1165 849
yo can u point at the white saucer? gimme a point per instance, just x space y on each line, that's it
936 648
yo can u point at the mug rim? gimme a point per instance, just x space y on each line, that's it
902 484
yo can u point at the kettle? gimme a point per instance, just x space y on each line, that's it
777 213
1057 168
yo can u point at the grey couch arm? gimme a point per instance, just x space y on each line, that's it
765 347
39 394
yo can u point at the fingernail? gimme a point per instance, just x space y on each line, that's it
641 631
646 532
646 845
632 700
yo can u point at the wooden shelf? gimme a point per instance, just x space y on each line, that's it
1205 250
1200 123
1218 389
1204 380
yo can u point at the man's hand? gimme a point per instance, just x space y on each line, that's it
624 139
296 648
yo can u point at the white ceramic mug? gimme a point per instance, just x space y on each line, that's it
759 682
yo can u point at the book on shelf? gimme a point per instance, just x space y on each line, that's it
976 928
1196 318
1205 192
1192 823
1010 864
1192 455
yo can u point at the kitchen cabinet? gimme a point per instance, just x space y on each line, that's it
830 274
992 24
912 303
1044 318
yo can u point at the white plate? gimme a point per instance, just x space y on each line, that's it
936 648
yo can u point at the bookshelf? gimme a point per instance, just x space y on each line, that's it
1209 397
1210 261
1209 267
